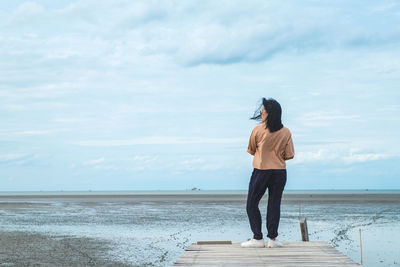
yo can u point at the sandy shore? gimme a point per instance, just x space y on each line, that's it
31 249
154 229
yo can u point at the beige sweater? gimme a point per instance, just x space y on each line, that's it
270 150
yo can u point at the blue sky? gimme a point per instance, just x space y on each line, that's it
149 95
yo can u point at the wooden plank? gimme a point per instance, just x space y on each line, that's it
291 254
214 242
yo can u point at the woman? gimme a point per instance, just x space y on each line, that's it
271 144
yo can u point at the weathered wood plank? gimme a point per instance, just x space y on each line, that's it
292 254
213 242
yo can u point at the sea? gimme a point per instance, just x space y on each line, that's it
153 228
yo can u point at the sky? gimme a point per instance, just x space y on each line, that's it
157 95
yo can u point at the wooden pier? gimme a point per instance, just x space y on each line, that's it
227 253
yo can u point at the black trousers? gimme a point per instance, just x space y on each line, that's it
275 181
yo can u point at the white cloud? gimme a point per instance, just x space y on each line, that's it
146 161
39 132
70 120
156 140
94 161
27 10
101 164
124 31
111 167
313 156
17 158
389 108
339 155
339 170
364 157
190 164
115 72
46 90
213 166
13 107
326 118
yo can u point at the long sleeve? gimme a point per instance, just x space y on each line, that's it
251 149
289 149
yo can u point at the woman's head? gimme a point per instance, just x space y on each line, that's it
269 112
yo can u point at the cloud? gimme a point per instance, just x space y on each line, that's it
339 170
101 164
17 159
94 161
183 33
115 73
70 120
326 118
314 156
389 108
157 140
189 164
364 157
145 159
269 34
136 13
109 167
26 12
13 107
39 132
222 44
338 155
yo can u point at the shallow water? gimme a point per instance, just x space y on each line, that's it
149 231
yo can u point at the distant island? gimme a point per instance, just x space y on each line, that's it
195 189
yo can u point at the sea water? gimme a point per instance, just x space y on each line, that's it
152 228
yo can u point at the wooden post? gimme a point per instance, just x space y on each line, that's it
360 246
303 228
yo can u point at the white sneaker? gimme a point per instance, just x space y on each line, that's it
274 243
253 243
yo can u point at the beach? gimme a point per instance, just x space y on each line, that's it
153 228
33 249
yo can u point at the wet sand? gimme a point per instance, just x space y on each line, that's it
153 229
32 249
